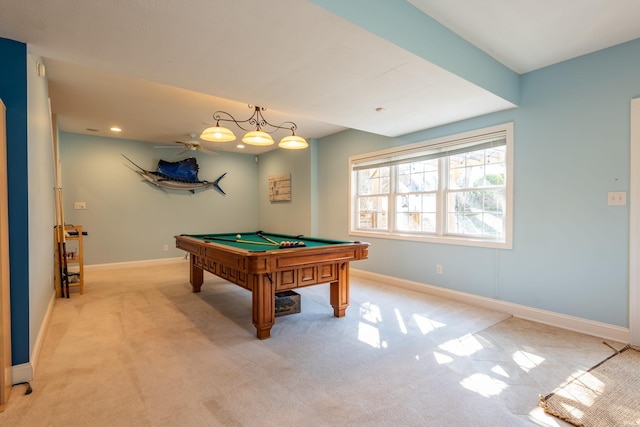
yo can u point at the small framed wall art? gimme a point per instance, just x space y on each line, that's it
280 187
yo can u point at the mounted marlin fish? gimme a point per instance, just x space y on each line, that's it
182 175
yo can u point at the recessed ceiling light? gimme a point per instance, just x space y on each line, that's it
92 130
116 129
380 109
240 146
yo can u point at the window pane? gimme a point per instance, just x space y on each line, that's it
373 181
477 207
416 212
496 155
476 213
495 173
476 176
480 168
418 176
372 212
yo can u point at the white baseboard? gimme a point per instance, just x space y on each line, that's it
25 371
133 264
35 354
22 373
576 324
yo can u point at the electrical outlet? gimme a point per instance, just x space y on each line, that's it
438 268
79 205
617 198
165 248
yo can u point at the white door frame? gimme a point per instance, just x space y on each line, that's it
634 224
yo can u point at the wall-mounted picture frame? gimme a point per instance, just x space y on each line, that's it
280 187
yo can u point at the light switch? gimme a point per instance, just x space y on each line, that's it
79 205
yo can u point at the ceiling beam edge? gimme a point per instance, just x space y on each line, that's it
409 28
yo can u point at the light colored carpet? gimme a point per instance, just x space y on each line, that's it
608 395
139 349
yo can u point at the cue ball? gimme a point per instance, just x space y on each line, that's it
238 236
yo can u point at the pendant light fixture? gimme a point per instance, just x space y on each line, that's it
258 134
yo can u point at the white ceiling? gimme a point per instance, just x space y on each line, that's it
525 35
159 69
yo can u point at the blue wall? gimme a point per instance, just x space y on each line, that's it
270 214
13 91
570 251
128 219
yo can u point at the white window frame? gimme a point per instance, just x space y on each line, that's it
447 143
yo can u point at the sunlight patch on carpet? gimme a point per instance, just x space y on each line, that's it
370 312
370 335
484 385
499 370
527 361
464 346
401 325
426 325
442 359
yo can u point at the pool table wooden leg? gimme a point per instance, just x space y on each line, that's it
339 297
196 274
264 308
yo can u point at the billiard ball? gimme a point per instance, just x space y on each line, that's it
238 236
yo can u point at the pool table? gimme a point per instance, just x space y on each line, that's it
257 262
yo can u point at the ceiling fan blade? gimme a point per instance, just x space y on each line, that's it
190 145
165 146
205 151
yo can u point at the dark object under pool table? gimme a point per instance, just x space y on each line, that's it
265 268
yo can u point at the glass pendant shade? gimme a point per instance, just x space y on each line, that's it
293 142
257 137
217 134
258 131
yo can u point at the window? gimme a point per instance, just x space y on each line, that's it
457 189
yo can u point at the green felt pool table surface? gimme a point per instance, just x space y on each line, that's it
251 241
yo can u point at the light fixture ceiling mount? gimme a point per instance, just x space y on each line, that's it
258 129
